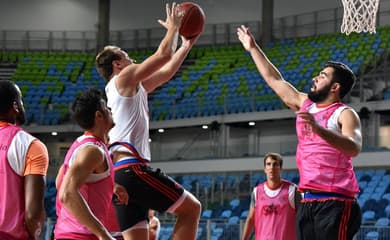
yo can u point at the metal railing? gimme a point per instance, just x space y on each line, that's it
302 25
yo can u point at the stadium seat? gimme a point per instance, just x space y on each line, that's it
233 220
368 217
226 214
372 235
234 203
207 213
244 214
216 233
386 196
382 222
199 232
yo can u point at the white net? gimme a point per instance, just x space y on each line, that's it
359 16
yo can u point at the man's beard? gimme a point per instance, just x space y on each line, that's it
320 95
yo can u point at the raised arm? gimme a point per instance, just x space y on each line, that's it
87 161
165 73
288 93
132 74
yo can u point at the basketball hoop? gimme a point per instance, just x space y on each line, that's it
359 16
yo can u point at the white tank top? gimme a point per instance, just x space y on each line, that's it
131 118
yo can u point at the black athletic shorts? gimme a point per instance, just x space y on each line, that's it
147 189
328 219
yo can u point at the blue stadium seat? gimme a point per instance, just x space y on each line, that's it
387 210
382 222
207 213
386 196
216 233
244 214
234 203
226 213
372 235
233 220
368 217
199 232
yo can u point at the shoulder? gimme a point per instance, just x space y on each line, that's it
92 148
347 114
38 147
291 186
288 182
347 110
21 141
90 151
24 136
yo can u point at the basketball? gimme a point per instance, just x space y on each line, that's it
193 20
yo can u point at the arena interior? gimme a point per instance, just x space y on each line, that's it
214 121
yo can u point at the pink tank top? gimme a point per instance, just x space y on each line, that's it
274 216
98 196
12 209
321 166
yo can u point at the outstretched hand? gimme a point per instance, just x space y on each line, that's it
174 16
246 38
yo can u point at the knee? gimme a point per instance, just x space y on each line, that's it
197 207
191 207
194 207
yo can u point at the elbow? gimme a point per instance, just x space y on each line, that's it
164 55
355 150
65 197
355 153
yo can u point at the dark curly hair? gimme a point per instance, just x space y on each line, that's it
85 107
342 75
8 95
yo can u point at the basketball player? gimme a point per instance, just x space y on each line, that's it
272 209
23 166
128 85
329 135
86 179
154 226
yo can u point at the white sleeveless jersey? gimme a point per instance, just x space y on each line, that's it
131 118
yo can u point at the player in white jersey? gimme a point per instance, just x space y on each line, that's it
127 90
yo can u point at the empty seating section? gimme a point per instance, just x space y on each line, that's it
212 81
224 80
50 81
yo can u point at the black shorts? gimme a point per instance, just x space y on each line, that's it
147 189
328 219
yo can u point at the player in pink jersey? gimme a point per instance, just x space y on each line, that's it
86 179
23 166
272 209
329 135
